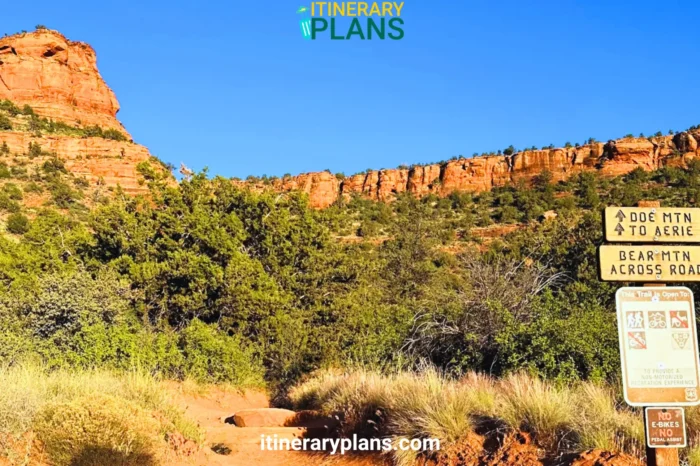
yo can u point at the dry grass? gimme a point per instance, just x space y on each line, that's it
430 405
93 417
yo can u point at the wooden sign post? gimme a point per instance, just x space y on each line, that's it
656 324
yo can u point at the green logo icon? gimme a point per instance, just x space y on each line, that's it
305 23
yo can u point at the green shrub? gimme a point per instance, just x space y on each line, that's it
5 123
63 195
17 223
81 182
59 305
18 172
13 191
9 107
53 165
34 150
33 187
213 356
4 171
7 204
113 134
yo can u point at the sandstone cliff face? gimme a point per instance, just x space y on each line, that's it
59 80
57 77
480 174
101 161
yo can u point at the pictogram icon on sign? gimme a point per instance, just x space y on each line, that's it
657 320
637 340
680 340
635 319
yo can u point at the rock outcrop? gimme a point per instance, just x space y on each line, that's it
59 80
101 161
480 174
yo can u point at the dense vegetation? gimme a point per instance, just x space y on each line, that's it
217 283
30 121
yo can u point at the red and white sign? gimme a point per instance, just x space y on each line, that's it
665 428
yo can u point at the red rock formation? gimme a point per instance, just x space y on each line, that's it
101 161
484 173
624 155
423 180
391 183
57 77
323 188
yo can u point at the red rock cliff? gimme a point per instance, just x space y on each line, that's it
483 173
58 78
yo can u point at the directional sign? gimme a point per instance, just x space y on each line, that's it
652 225
652 263
658 346
665 427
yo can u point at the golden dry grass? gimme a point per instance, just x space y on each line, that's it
428 404
87 417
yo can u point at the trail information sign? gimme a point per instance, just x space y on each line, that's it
665 428
649 263
658 346
652 225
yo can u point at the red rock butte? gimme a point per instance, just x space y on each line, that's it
58 78
483 173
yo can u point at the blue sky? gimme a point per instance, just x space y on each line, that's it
233 86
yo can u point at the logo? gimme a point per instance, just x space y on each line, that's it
305 23
680 340
352 20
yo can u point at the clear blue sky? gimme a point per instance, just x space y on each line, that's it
233 86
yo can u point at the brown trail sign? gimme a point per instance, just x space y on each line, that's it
652 225
649 263
665 428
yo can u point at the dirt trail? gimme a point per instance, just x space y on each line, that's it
241 445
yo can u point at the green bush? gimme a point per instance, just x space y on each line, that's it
7 204
13 191
59 305
34 150
213 356
17 223
33 187
9 107
5 123
53 166
63 195
114 135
